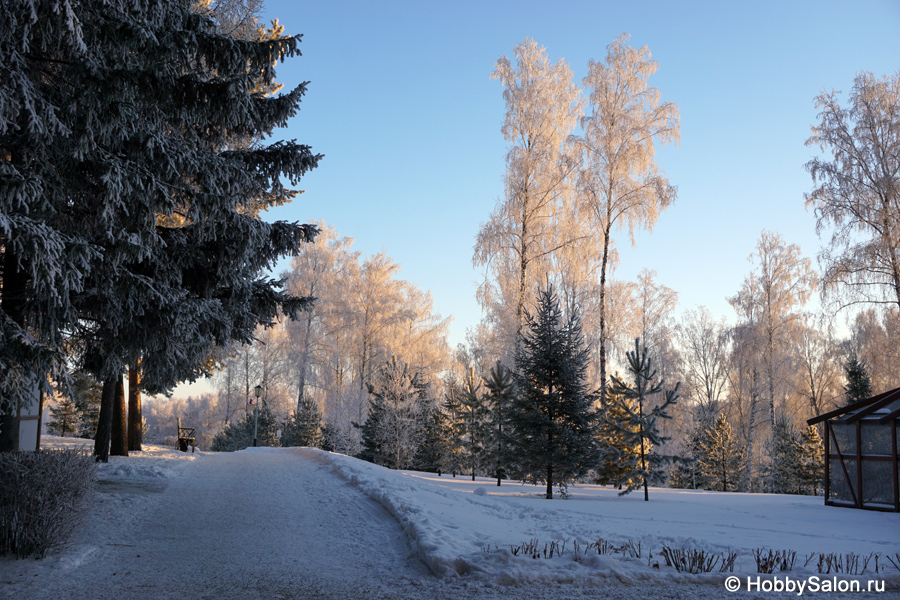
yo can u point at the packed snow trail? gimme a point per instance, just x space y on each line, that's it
262 523
254 524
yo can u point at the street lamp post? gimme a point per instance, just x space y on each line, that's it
258 391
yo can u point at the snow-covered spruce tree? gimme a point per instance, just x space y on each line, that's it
859 384
501 392
86 395
430 455
649 467
552 420
370 444
63 418
812 460
397 413
784 472
616 438
239 434
121 203
474 415
454 459
304 428
687 473
720 459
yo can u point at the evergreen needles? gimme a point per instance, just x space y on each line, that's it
552 417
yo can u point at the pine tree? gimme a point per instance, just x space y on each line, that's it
500 395
552 419
812 460
687 473
454 459
430 455
86 396
238 435
784 471
397 413
618 450
473 412
123 198
370 443
720 459
650 469
64 417
859 384
304 428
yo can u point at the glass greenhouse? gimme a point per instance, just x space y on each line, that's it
861 468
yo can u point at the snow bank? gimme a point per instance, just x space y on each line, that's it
460 527
152 462
128 486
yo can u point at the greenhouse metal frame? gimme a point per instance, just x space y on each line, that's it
861 467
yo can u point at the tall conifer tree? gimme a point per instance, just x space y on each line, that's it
552 418
859 384
720 457
499 398
640 427
304 428
121 201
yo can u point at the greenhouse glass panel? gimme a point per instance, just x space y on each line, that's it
878 485
876 440
840 490
843 438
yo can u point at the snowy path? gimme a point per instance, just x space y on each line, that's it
244 525
259 524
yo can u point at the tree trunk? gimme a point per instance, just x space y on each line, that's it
749 475
891 249
105 419
135 421
771 369
523 282
549 482
603 263
643 463
500 447
119 433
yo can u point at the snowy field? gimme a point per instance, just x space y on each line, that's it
462 527
463 531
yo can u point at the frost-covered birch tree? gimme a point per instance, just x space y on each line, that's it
542 108
874 336
744 377
401 415
819 374
704 344
857 193
364 315
784 282
618 182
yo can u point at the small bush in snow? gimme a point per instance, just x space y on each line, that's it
601 546
533 549
849 563
42 497
690 560
769 561
728 559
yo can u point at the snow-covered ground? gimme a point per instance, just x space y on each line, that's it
462 527
302 523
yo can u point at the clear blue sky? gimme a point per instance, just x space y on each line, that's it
402 106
